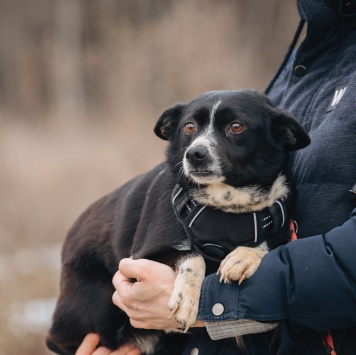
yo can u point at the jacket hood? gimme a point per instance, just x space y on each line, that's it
320 15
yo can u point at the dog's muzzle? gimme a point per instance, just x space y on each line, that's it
201 166
197 156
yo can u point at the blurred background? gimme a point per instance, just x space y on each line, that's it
82 83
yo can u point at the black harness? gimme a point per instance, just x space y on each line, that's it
214 233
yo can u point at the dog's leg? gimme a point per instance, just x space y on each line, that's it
184 301
241 263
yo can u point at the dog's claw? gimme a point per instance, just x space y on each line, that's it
240 264
184 326
242 278
172 313
173 309
182 322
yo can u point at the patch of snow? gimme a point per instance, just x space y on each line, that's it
31 317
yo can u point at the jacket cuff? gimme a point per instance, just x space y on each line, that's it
222 303
219 311
229 329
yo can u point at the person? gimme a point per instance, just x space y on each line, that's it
309 285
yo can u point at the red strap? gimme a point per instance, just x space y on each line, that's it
293 235
329 343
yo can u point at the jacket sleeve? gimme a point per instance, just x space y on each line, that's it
311 282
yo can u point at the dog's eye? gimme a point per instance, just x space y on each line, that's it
189 127
236 127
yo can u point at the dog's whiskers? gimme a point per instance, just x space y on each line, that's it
181 174
180 162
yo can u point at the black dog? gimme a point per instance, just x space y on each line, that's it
228 153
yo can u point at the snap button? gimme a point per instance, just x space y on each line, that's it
300 70
218 309
194 351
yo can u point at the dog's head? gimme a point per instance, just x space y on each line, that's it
234 137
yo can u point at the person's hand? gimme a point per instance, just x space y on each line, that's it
91 341
145 301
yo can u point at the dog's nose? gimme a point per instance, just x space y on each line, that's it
196 155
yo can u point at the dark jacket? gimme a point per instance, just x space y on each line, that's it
309 285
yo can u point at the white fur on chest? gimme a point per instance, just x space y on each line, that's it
242 199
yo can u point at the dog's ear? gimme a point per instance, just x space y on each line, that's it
168 120
288 132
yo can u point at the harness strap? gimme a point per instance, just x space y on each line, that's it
329 344
214 233
293 227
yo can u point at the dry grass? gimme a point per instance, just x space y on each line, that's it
48 175
58 157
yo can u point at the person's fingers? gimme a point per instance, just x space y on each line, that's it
122 297
116 299
119 279
146 300
102 351
91 341
134 352
127 349
139 324
140 269
133 269
88 345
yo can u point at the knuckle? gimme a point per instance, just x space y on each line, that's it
115 298
125 301
136 323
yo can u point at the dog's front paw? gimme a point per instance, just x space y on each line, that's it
184 302
184 308
240 264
